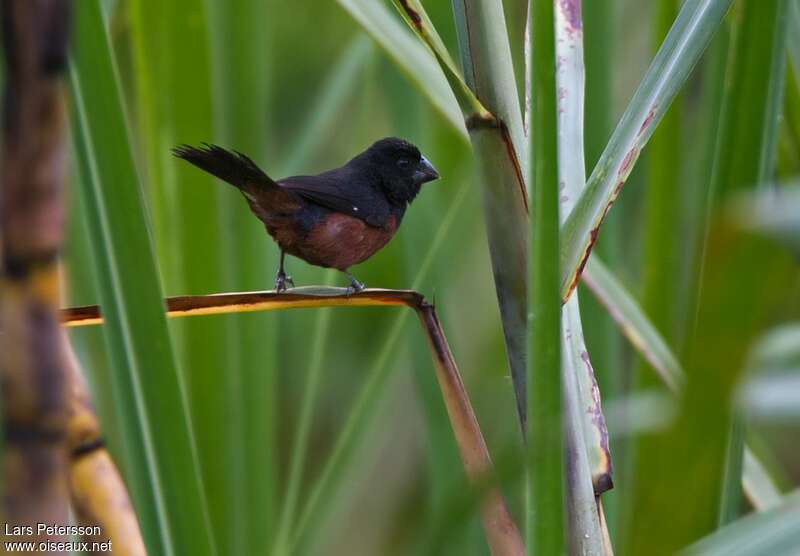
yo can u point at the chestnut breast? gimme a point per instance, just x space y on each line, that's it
340 241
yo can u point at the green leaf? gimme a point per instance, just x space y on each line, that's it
545 443
686 41
161 463
775 532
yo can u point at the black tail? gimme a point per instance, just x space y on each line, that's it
231 166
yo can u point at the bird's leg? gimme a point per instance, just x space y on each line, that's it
282 279
355 286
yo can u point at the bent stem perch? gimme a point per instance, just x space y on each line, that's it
501 532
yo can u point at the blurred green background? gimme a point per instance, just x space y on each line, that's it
300 88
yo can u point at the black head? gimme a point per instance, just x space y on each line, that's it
400 166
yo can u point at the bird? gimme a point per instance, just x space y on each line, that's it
336 219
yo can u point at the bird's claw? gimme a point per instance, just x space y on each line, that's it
355 287
281 281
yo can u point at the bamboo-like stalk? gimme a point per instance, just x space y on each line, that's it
501 532
588 464
98 494
488 99
499 145
32 213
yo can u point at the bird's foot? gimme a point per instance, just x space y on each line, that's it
355 286
281 281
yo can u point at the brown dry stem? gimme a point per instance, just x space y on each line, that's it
501 531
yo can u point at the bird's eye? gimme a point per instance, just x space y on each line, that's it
403 162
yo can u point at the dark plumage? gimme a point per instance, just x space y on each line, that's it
335 219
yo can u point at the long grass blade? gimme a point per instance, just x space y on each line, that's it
545 443
160 456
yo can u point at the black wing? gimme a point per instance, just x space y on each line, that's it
340 191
